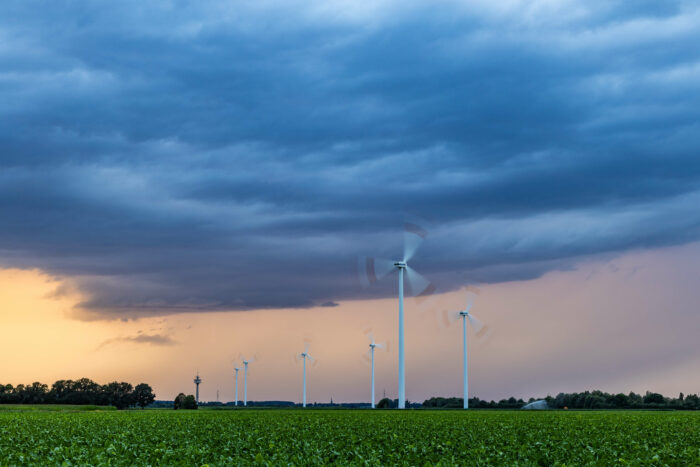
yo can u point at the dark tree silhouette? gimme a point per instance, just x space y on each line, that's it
190 402
387 403
120 394
179 402
653 398
83 391
184 402
143 395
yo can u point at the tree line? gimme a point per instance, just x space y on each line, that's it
83 391
604 400
579 400
474 403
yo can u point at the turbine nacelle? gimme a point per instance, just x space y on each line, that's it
305 355
247 361
372 344
400 264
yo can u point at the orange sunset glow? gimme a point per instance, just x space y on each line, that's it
580 335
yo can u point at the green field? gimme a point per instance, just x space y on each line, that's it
53 408
277 437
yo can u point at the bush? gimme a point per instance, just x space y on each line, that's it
184 402
386 403
190 402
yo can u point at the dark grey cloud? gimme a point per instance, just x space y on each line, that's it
140 338
170 156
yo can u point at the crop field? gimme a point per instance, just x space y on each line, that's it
282 437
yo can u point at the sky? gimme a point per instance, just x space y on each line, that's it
181 183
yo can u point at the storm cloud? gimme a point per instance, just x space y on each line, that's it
168 156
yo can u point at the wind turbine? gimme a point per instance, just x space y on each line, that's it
235 403
305 356
373 345
245 378
197 381
373 269
477 326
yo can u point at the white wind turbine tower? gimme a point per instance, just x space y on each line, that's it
305 356
245 378
477 326
373 345
235 403
373 269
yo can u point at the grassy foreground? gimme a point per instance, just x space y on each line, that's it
53 408
275 437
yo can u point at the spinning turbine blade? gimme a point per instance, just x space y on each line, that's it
413 236
471 296
446 318
480 328
484 336
370 270
476 324
248 360
485 331
420 286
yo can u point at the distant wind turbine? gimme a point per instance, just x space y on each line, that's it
245 378
304 356
373 269
373 345
235 403
478 327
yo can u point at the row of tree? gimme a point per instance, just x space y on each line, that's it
83 391
474 403
387 403
579 400
604 400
